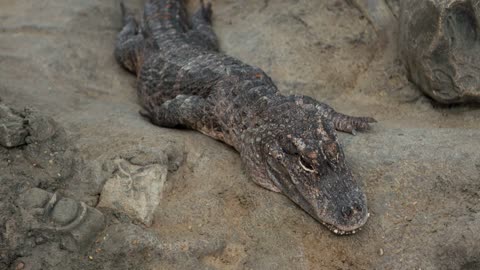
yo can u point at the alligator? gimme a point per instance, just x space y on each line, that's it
287 143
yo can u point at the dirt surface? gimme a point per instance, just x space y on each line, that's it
420 164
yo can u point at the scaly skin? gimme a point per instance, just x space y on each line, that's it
288 143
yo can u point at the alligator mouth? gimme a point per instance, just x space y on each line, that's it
338 231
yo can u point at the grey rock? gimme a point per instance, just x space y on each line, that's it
380 13
440 46
64 219
137 184
86 232
33 198
40 240
12 134
65 211
12 130
40 127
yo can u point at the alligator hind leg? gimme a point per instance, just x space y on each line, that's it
130 44
202 32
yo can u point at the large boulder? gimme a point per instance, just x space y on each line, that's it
439 44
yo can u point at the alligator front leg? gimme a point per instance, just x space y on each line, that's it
341 122
182 111
350 124
191 112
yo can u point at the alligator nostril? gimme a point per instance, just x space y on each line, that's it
347 211
357 207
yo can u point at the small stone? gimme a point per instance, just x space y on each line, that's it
12 131
65 211
380 252
33 198
20 266
91 224
40 240
90 258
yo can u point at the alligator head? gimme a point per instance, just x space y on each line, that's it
300 157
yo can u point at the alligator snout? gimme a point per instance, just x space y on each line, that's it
352 211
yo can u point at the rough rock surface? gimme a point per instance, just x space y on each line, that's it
12 130
438 42
440 45
34 221
137 184
420 165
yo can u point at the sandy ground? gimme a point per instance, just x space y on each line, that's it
420 165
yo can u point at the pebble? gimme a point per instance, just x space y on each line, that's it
20 266
40 240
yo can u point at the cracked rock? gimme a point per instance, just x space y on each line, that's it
12 130
136 185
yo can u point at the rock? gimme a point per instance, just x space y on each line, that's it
380 13
31 126
12 134
88 228
63 219
33 198
136 186
40 127
440 46
65 211
12 130
20 266
40 240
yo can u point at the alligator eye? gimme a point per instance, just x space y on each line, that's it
305 165
331 151
290 148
